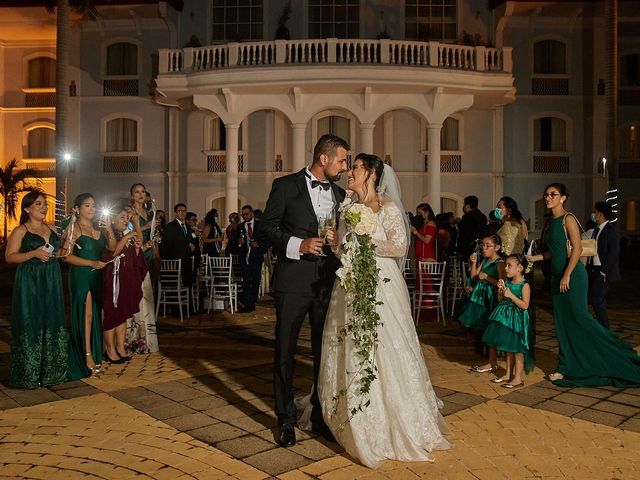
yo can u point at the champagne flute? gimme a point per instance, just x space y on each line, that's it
322 231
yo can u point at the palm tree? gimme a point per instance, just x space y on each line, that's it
11 184
63 9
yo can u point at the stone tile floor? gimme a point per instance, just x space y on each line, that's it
202 408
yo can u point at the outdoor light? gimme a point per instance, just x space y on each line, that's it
66 156
604 166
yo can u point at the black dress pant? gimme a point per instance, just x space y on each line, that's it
291 310
251 276
598 288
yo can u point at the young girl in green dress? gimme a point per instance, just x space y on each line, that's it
508 328
483 295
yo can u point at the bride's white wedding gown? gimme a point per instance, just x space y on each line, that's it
403 421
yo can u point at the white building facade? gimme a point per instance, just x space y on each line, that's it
201 105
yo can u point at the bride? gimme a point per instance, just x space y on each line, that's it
402 421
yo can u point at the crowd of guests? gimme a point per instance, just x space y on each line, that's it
497 306
113 264
110 256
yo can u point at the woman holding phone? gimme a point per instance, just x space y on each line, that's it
39 345
84 244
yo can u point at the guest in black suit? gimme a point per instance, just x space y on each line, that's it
471 226
604 268
302 280
175 243
251 257
194 236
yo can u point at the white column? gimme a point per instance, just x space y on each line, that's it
366 138
433 176
497 153
231 161
299 140
174 152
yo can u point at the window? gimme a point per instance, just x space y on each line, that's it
629 147
335 125
630 216
237 20
449 135
630 70
122 59
42 73
122 135
550 57
449 205
430 20
550 135
216 135
41 143
334 18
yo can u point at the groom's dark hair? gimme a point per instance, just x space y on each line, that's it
327 145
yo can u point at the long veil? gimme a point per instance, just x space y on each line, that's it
389 189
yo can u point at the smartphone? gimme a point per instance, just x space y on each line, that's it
48 247
129 229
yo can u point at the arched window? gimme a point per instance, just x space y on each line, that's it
630 70
42 72
449 135
121 135
41 143
122 59
549 56
335 125
449 205
216 135
550 134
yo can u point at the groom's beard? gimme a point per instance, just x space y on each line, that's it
333 179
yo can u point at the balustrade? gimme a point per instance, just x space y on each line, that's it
336 51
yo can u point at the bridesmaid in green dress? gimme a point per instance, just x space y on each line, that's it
39 340
589 354
84 246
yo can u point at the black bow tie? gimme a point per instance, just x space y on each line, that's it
318 183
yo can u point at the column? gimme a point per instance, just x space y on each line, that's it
231 161
299 160
497 153
433 176
173 155
366 137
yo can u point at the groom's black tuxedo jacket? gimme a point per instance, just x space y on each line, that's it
289 212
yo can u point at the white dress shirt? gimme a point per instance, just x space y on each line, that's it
323 203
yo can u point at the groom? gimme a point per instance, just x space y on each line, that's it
303 279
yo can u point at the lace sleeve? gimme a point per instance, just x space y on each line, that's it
395 244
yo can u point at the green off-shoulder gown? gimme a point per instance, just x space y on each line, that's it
83 280
39 340
589 354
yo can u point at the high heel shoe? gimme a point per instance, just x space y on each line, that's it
125 358
96 369
112 361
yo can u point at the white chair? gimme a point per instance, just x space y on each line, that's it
170 288
461 283
429 286
222 286
409 274
202 281
455 286
236 271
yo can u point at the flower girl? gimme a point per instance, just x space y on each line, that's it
508 328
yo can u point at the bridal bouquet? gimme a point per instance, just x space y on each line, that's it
359 278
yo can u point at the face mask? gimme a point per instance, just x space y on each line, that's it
593 217
498 213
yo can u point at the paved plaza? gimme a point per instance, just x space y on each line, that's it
202 408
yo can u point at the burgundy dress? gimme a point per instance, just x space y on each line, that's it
127 279
426 251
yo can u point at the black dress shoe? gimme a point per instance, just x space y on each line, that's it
115 362
324 431
286 435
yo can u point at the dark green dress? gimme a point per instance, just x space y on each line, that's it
146 236
83 280
481 302
589 354
39 340
508 328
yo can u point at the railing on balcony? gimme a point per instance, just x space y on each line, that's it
549 86
551 163
217 162
120 164
335 51
34 99
120 88
44 167
628 169
449 163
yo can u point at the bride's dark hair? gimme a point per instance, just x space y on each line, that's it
372 164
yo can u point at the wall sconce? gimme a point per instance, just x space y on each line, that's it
602 166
